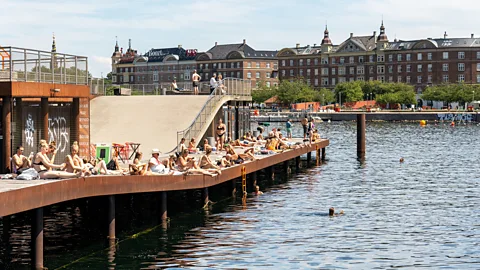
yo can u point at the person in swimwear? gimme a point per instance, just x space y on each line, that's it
221 129
196 82
331 212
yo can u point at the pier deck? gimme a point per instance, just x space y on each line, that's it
18 196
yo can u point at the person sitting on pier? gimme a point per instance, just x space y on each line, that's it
315 135
225 161
113 165
73 163
181 146
189 165
248 137
191 146
52 149
95 167
155 165
206 162
205 144
138 168
175 86
43 165
21 162
248 154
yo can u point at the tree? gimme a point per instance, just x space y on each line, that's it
263 93
295 91
324 96
350 91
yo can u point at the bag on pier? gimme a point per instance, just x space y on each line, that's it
30 174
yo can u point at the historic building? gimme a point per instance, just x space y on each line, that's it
418 62
239 61
154 67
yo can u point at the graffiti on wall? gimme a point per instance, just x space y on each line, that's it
29 131
58 132
465 117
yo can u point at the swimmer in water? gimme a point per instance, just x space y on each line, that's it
401 160
331 212
257 191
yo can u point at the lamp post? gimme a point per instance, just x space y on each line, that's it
371 96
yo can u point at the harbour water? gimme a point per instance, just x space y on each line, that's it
422 213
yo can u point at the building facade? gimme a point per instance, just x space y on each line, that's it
239 61
421 63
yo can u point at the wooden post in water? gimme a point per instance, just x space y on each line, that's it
7 132
163 206
361 144
111 218
318 156
297 164
286 168
37 239
309 158
323 154
206 199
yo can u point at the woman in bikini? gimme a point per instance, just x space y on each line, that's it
247 154
42 164
221 129
191 146
188 164
205 161
73 162
95 167
138 168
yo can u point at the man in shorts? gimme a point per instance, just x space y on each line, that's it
196 82
304 125
289 129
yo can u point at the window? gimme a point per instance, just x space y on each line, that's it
334 81
371 59
300 62
342 60
419 56
478 66
381 78
283 63
315 61
249 75
291 63
352 70
324 81
309 82
232 74
430 68
206 66
238 74
131 78
370 69
399 57
361 78
333 71
409 68
361 70
445 67
399 68
114 78
419 68
291 73
258 65
316 72
445 78
380 58
300 72
351 60
390 79
267 75
390 58
283 72
155 77
409 57
461 67
461 55
334 61
351 79
390 69
478 78
399 79
325 71
429 56
308 72
478 55
187 76
370 78
429 79
121 79
324 60
268 65
461 78
308 62
360 59
316 82
380 69
267 84
419 79
445 55
408 79
249 65
341 71
275 66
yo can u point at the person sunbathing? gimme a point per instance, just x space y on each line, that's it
192 146
42 165
225 161
188 164
138 168
205 161
95 167
113 165
73 163
315 135
238 158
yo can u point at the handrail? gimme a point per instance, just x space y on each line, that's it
233 87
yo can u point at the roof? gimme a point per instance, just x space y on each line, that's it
273 99
434 43
158 55
221 51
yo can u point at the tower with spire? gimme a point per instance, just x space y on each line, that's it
54 63
382 40
116 56
326 42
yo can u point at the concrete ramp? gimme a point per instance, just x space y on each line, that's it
152 121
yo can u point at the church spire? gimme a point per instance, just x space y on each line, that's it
116 44
54 46
326 38
382 37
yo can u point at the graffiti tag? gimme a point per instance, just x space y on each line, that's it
58 132
29 130
465 117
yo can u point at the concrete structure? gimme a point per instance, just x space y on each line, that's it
421 63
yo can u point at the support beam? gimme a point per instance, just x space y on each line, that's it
37 239
361 144
286 168
111 217
309 158
163 206
237 122
234 188
76 119
324 154
44 105
254 177
318 157
206 199
270 173
7 132
297 164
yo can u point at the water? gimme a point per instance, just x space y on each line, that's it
422 213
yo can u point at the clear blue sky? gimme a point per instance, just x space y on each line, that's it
89 27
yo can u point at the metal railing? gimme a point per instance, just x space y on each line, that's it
27 65
233 87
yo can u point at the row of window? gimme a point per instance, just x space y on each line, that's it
237 65
371 58
155 68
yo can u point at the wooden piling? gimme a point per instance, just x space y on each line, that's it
361 143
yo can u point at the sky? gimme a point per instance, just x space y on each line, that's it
89 28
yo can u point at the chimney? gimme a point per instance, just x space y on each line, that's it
180 46
445 35
297 46
351 35
216 43
472 36
374 34
244 41
314 44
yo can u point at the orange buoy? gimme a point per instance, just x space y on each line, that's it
452 123
423 123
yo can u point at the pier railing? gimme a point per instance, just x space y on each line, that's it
234 88
27 65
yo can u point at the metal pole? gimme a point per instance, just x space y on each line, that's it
25 63
11 65
39 67
76 70
361 135
37 239
111 217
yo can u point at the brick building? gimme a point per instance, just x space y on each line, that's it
239 61
418 62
